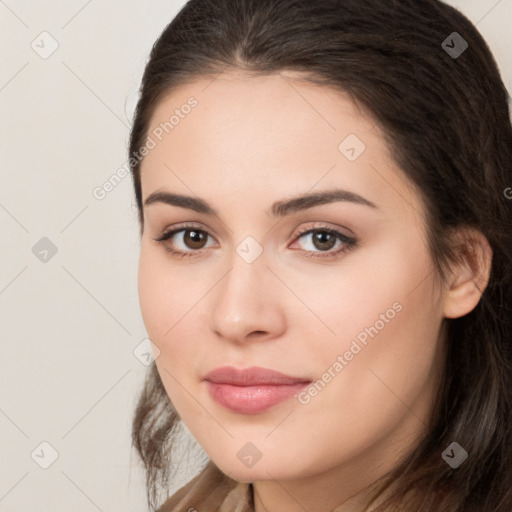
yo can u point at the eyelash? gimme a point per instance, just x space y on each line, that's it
349 243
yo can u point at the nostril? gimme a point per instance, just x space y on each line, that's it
257 333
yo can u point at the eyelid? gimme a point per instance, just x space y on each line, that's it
166 233
318 226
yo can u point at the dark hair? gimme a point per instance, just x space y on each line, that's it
446 117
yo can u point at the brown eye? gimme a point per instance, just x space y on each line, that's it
185 241
320 242
194 238
324 240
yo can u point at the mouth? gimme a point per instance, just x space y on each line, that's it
252 390
254 376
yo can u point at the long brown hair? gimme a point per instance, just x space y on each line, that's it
444 111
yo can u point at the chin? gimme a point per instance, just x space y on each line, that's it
263 470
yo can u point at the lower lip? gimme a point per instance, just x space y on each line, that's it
252 399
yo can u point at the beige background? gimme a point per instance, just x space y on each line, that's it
69 325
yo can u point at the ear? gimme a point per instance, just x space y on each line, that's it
470 274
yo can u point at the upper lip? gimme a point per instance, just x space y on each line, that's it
251 376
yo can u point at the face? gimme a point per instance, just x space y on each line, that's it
337 291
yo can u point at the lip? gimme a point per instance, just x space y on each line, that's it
251 390
252 376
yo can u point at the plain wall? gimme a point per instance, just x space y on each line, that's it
70 321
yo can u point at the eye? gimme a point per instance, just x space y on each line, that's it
321 241
191 237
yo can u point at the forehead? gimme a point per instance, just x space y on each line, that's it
258 133
279 108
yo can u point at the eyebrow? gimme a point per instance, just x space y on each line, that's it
278 209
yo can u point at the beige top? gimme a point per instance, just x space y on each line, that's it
211 490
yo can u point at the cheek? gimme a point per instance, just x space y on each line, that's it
164 314
388 332
385 317
168 298
151 300
370 286
345 299
161 302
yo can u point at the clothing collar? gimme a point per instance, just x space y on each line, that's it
211 490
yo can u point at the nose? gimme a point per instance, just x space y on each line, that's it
246 303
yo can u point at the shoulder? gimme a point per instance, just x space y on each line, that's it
211 490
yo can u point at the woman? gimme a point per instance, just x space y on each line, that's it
325 257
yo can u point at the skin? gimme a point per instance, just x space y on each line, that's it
251 141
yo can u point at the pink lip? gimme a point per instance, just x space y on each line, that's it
251 390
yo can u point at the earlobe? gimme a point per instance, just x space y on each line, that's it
470 275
